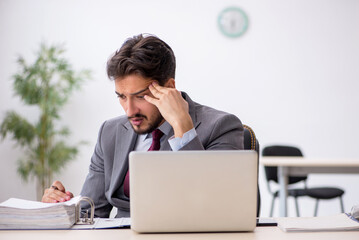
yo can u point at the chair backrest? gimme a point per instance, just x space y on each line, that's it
283 151
250 140
251 143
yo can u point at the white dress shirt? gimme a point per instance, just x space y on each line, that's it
144 141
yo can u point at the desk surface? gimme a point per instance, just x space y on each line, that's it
125 234
308 162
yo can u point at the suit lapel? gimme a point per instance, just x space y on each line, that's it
125 143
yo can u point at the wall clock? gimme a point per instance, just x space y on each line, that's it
233 22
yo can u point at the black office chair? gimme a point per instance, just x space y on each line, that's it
251 143
317 193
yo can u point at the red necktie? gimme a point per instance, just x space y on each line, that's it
155 146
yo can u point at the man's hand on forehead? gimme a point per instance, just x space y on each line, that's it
172 106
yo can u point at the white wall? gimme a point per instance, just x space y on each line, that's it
293 76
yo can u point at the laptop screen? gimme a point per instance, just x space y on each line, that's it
193 191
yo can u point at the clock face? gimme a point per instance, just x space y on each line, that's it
232 22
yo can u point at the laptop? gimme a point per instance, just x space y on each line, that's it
193 191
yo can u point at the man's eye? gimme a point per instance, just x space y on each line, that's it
121 97
140 97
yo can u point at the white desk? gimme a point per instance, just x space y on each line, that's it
260 233
299 166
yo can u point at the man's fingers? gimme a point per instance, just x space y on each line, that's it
45 197
152 100
56 193
69 195
52 195
157 86
154 89
57 185
48 200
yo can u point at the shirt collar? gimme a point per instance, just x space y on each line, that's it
165 128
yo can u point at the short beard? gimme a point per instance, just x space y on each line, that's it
152 126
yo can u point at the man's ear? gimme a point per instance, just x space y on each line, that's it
171 83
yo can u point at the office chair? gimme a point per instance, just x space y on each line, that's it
251 143
317 193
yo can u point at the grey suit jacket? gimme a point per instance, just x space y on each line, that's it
216 130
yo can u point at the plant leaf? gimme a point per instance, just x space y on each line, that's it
60 154
22 131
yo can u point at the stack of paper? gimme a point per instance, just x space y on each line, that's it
23 214
340 222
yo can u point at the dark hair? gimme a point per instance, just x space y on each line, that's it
147 56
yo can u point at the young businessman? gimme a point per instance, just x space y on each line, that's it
143 70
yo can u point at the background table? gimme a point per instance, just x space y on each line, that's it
299 166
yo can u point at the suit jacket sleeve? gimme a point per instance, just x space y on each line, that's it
221 131
95 185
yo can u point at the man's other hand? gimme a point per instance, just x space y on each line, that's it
56 193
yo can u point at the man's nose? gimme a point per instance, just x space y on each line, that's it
132 108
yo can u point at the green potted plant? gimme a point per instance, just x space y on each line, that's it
47 84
